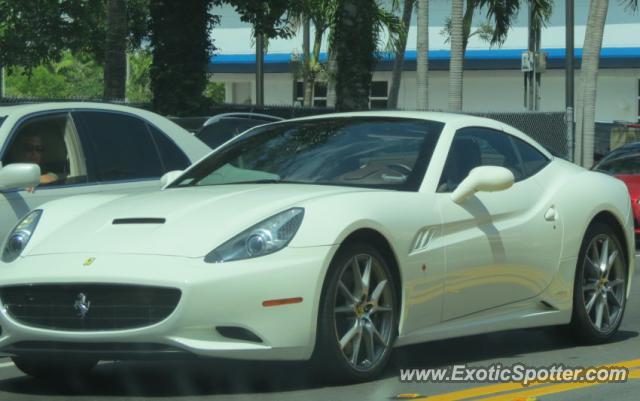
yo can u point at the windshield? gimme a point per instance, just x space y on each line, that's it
627 164
372 152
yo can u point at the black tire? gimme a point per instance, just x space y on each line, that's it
54 369
329 359
583 328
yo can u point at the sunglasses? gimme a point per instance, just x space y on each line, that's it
33 148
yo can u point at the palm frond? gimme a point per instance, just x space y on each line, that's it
630 5
393 25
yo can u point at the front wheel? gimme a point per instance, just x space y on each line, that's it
358 315
46 369
600 286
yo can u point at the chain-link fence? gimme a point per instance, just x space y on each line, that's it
548 128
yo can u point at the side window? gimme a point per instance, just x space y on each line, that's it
121 146
173 158
50 141
532 160
473 147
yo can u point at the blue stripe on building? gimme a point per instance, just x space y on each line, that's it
493 59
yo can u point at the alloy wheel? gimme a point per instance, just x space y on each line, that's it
364 308
604 283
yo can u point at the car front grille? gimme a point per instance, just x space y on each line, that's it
88 307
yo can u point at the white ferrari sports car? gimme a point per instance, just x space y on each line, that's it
331 239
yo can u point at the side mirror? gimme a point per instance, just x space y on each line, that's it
19 176
483 178
169 176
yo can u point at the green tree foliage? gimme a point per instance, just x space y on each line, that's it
80 76
181 50
139 83
215 92
271 18
34 32
74 76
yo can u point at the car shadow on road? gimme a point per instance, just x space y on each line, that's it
509 346
198 378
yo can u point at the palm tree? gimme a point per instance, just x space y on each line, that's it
324 16
332 68
422 58
306 63
586 110
457 56
320 14
115 61
398 60
502 13
354 19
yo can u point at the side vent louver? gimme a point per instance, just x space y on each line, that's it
423 238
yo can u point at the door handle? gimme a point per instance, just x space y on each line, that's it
551 214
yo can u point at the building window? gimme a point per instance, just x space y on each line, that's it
319 93
377 98
379 95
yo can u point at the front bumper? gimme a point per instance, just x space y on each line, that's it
213 295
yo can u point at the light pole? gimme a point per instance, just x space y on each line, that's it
568 65
259 69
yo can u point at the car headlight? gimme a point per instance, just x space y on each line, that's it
19 237
266 237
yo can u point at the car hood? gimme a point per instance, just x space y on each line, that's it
188 222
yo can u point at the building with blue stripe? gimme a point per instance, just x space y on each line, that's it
492 79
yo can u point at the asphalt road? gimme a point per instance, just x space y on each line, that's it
277 381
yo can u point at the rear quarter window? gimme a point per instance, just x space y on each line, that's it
532 159
173 158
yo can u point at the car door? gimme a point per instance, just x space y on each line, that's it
497 243
91 151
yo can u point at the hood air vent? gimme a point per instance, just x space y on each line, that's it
140 220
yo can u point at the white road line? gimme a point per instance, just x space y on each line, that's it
6 364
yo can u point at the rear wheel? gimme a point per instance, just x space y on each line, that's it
42 368
358 315
600 286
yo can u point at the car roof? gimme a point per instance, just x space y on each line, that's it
247 115
193 147
626 150
439 116
628 146
26 108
